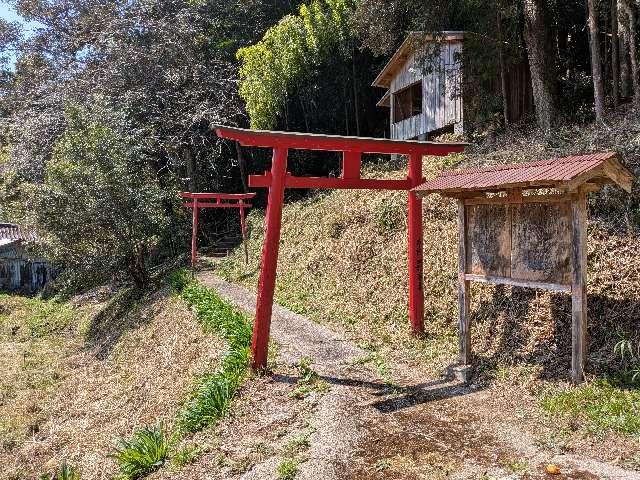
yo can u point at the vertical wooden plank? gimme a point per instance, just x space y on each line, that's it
268 268
578 287
194 234
463 287
351 164
415 246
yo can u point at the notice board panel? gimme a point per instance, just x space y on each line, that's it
541 242
489 240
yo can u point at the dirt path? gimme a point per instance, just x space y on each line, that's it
363 429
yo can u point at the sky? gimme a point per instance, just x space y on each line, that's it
8 13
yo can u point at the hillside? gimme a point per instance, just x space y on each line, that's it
343 257
76 376
351 394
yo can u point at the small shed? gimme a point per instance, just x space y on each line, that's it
525 225
18 270
430 90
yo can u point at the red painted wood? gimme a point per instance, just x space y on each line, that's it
415 246
351 165
267 282
232 200
278 180
194 235
262 181
334 143
221 196
219 205
243 227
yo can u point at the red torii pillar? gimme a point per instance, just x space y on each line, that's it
278 180
196 201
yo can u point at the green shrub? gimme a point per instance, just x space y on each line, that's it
600 404
287 469
179 279
66 472
142 454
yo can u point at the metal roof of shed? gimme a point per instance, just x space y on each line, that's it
563 173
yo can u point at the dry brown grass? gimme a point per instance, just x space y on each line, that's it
113 375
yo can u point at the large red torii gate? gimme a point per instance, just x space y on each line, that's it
278 180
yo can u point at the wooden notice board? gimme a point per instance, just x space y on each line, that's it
521 243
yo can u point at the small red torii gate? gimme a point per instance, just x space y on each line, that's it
279 179
215 200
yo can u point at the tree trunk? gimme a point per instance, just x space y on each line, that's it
633 51
541 62
356 102
623 51
191 169
596 63
503 69
242 165
615 59
138 268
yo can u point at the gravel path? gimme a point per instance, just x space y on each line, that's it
425 429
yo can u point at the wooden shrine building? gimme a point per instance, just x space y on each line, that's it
525 225
431 88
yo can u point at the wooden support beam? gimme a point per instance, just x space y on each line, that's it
216 205
351 164
267 281
463 288
415 247
579 337
262 181
194 234
552 287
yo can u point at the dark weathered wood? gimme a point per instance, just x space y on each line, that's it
541 243
479 200
578 286
463 288
489 240
552 287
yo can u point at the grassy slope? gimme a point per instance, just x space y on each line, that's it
343 256
74 378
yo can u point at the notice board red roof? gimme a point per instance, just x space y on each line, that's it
565 173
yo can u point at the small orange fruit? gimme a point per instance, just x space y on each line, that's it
552 469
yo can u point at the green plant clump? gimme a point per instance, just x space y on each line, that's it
602 405
66 472
287 469
214 392
142 454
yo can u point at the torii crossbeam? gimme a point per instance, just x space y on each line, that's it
196 201
278 180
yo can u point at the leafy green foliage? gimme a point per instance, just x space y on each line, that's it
102 207
275 65
66 472
602 405
142 454
287 469
187 455
629 355
214 392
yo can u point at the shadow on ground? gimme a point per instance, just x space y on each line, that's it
121 314
507 314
